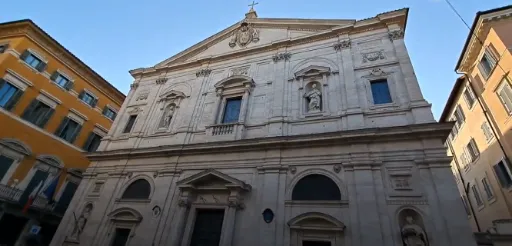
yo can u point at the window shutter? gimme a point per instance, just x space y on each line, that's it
94 102
54 76
24 55
501 176
490 58
69 85
474 146
88 141
41 67
76 133
28 111
14 99
114 116
81 95
61 126
46 117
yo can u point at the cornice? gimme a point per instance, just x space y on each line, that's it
370 135
37 35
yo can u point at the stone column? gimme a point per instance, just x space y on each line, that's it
245 103
277 105
411 83
229 226
180 221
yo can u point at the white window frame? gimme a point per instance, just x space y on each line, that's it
487 54
17 80
392 84
468 92
488 133
472 148
489 195
7 150
508 106
474 188
43 166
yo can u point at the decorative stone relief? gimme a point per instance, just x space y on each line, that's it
167 116
336 168
377 72
397 34
240 71
401 182
244 36
205 72
142 95
373 56
281 56
293 170
161 81
80 223
134 86
345 44
413 234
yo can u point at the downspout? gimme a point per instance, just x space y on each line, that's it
494 131
464 186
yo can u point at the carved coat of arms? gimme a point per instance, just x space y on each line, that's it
244 36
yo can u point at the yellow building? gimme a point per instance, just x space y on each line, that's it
480 104
53 109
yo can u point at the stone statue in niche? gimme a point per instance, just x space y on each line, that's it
314 97
167 116
413 234
80 223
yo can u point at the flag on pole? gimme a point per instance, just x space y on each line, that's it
49 192
32 196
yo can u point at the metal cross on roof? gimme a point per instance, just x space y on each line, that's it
252 5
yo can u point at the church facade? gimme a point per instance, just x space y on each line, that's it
277 132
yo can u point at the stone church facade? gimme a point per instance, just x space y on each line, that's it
274 132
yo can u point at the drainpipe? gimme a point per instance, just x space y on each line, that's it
465 187
494 131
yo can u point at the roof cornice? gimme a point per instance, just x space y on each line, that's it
30 30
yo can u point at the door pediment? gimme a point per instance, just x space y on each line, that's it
212 180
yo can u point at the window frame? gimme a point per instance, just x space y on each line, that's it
94 99
43 119
64 123
125 128
4 47
488 133
379 80
489 192
12 101
109 108
476 196
508 173
224 107
90 140
491 60
505 101
469 97
40 67
473 150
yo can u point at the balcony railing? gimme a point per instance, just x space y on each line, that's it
8 193
223 129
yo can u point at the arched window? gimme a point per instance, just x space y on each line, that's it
316 187
139 189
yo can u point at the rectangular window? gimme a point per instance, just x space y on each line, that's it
68 130
380 91
9 94
476 195
459 115
502 170
88 98
37 113
505 95
232 110
121 236
487 188
61 80
464 161
33 61
469 96
487 131
65 198
5 164
472 150
92 143
109 113
207 227
487 63
129 124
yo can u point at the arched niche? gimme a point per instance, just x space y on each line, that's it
169 104
318 171
313 80
412 227
316 187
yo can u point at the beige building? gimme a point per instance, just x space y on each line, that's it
481 105
275 132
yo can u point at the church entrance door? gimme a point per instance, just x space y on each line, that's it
208 227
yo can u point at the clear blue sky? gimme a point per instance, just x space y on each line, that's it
114 36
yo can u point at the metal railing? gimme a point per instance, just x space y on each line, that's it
8 193
223 129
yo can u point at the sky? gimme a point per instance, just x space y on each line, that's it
115 36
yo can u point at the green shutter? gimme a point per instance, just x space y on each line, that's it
76 133
54 76
81 95
61 126
46 117
41 67
24 55
94 102
14 99
104 110
69 85
28 111
89 140
2 82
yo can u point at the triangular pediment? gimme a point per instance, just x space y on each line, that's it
256 33
212 179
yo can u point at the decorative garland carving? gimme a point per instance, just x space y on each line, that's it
345 44
373 56
240 71
281 56
205 72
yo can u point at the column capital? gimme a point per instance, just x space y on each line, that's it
344 44
396 34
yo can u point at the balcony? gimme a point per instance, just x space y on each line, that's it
13 195
223 132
